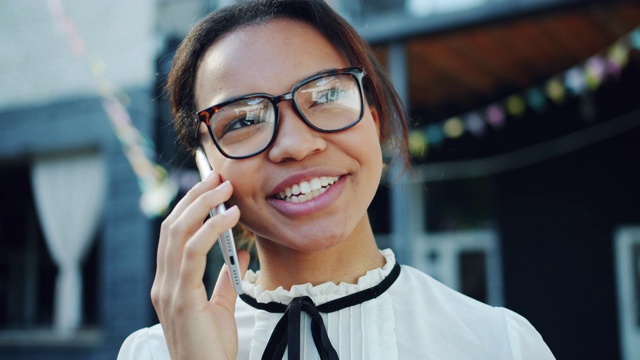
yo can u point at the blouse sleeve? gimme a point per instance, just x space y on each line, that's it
525 341
145 344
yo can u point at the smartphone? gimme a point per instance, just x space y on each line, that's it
226 241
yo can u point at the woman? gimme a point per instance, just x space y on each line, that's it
299 172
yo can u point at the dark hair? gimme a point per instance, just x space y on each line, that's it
379 91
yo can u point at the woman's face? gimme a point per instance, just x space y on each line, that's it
271 58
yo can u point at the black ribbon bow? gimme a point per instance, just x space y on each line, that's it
286 334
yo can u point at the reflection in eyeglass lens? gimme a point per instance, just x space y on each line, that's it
334 104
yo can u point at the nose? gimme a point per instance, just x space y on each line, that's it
295 140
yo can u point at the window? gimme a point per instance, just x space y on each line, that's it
467 261
627 252
27 272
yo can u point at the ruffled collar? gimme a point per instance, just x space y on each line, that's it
314 300
319 293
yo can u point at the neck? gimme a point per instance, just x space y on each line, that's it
344 262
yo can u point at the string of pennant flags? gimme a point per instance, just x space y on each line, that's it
157 187
579 80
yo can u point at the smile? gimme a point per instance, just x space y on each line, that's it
307 190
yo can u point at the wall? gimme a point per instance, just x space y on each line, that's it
50 103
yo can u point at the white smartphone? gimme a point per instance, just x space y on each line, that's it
226 241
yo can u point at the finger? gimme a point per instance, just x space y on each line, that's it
208 183
170 255
166 274
223 293
212 181
189 222
194 258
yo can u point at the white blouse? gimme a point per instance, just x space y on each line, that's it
416 318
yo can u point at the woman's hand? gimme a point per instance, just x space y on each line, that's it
196 327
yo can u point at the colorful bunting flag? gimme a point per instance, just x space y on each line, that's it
574 81
634 39
434 135
495 116
579 81
595 69
475 124
555 91
617 59
417 144
157 187
536 100
515 106
453 128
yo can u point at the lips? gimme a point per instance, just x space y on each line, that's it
307 190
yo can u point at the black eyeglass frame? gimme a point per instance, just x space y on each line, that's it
205 115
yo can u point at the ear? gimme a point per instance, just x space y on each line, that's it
203 135
376 119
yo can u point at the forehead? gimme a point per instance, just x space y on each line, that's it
269 57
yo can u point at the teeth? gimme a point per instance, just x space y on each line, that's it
307 190
305 187
316 184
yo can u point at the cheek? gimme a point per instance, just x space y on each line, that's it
371 139
364 148
242 174
373 151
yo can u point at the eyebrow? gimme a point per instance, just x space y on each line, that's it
318 73
302 79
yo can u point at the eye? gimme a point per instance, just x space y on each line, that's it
241 115
243 118
327 96
335 90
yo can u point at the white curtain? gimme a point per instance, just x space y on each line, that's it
69 195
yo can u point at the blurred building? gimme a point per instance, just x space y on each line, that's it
525 137
69 195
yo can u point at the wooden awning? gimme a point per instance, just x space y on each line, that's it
459 69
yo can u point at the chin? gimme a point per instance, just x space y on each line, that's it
306 243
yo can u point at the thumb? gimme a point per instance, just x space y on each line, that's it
223 293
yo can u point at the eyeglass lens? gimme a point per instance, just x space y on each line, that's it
247 126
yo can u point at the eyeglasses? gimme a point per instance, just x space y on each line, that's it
247 125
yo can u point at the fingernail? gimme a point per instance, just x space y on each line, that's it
234 209
210 175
